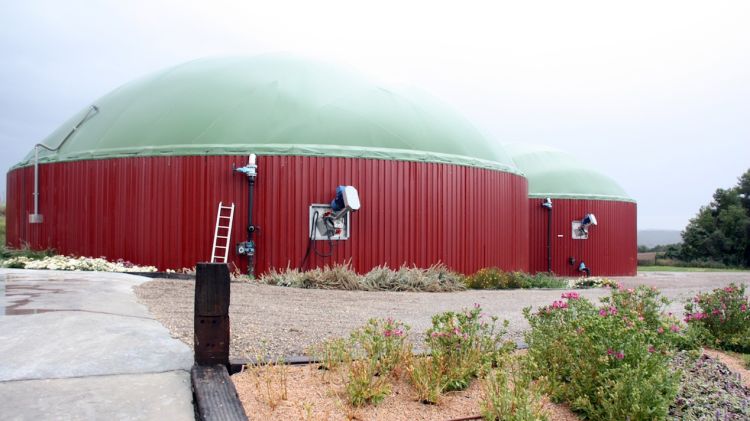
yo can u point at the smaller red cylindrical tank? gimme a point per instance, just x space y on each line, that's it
575 191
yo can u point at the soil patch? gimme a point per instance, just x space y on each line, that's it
314 394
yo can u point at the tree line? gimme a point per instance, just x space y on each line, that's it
720 232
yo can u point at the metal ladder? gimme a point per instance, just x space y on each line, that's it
222 232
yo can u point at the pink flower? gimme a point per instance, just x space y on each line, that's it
743 308
610 351
612 310
729 289
476 305
387 333
696 316
660 329
651 349
640 318
630 290
674 328
434 334
715 312
620 355
398 332
603 313
456 331
559 304
571 295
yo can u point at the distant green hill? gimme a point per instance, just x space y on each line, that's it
652 238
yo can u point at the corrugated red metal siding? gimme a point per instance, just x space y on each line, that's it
610 250
161 211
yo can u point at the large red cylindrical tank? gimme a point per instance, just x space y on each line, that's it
161 211
138 175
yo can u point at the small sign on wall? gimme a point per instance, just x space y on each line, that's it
577 232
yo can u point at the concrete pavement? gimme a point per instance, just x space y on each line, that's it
78 346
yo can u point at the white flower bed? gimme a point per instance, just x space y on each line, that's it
591 283
74 263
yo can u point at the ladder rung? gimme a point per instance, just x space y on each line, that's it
227 214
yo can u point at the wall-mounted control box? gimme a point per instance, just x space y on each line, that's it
577 232
321 217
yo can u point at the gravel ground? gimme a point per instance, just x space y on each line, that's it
286 321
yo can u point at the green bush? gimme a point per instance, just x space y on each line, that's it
462 345
368 359
510 394
698 263
383 342
25 252
609 362
494 278
721 318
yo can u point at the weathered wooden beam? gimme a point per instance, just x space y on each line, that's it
216 398
211 314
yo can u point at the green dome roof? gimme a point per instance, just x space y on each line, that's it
273 105
554 173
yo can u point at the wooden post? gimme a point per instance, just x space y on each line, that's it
211 330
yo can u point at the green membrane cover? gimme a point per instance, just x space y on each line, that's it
272 105
556 174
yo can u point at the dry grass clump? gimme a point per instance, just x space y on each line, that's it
436 278
270 379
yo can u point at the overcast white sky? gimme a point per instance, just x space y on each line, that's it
655 94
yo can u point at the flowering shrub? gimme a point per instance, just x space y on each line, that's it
494 278
383 342
608 361
378 350
74 263
721 317
461 344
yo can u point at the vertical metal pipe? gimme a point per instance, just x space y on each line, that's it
248 247
549 240
36 180
250 226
